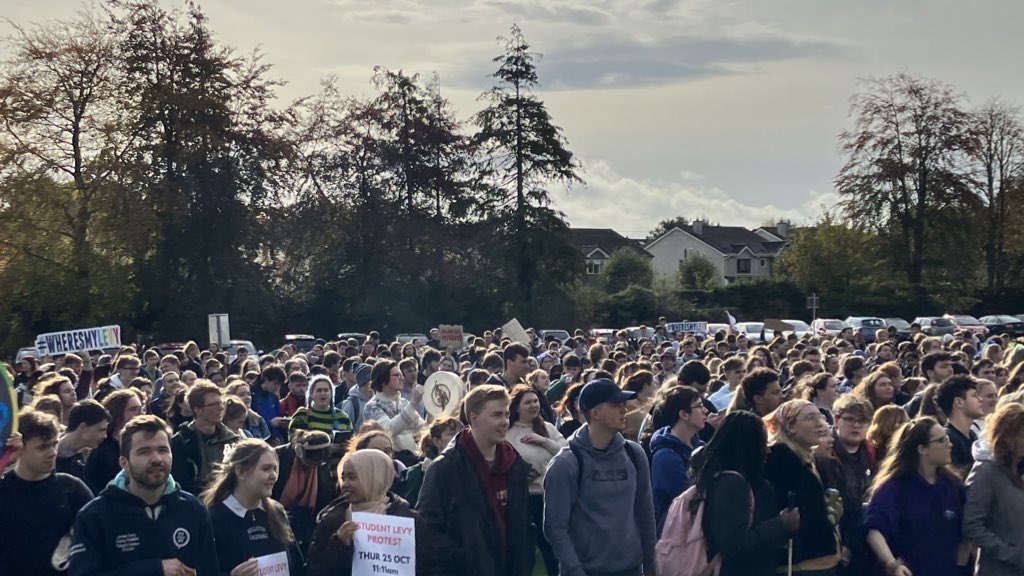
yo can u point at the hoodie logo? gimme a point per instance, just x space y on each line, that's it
181 538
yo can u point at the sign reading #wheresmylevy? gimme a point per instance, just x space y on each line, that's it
384 545
69 341
686 327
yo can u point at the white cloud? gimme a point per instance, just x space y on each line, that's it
633 207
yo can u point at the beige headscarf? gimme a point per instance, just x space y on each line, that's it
778 424
376 473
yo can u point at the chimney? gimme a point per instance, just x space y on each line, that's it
783 228
698 227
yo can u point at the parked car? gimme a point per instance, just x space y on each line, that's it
1003 324
359 336
800 328
830 327
969 323
165 348
302 342
935 325
866 326
901 325
560 335
715 328
233 346
753 331
404 339
26 351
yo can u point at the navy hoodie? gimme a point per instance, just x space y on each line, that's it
116 534
670 470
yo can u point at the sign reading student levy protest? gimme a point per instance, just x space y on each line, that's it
273 565
450 336
384 545
69 341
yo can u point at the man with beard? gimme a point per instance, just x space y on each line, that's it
142 523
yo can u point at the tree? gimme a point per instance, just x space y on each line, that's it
698 272
904 164
627 267
999 153
666 226
522 151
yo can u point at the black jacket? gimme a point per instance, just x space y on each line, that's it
787 473
188 455
102 465
744 544
115 535
330 557
454 507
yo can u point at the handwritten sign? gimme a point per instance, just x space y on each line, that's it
686 327
69 341
450 336
273 564
384 545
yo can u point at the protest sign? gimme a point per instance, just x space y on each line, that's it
56 343
450 336
686 327
384 545
515 331
220 329
273 564
8 411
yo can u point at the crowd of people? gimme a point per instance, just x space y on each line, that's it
818 456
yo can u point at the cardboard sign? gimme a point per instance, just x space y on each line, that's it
777 325
273 564
384 545
451 336
687 327
515 331
69 341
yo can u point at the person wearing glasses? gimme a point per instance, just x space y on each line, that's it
795 428
199 445
679 416
914 515
848 468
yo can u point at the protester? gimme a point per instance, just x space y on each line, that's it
595 525
822 391
438 436
759 392
569 411
396 414
572 366
988 396
116 532
103 463
958 399
365 478
795 428
642 385
39 505
253 425
87 428
733 369
358 395
305 484
247 523
199 445
741 520
320 412
482 527
994 510
297 384
266 401
913 518
877 388
678 419
537 442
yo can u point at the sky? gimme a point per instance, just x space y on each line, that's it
720 109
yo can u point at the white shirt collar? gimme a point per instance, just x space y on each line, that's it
235 506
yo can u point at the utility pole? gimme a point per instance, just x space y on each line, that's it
812 303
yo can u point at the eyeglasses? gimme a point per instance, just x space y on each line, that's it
855 421
217 404
697 406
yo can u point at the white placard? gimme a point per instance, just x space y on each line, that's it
273 564
68 341
220 329
384 545
687 327
515 331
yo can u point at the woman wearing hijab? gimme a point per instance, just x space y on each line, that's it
365 477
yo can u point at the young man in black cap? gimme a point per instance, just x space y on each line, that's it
598 504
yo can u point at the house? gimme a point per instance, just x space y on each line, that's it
598 244
735 251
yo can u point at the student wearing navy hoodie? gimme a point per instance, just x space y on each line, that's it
679 416
143 523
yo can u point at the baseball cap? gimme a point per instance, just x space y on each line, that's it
600 391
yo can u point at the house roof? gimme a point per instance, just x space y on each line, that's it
731 239
587 240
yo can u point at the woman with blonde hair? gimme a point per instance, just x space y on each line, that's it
365 477
641 382
794 429
247 522
886 421
994 510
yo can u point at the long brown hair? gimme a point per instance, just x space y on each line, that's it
518 393
903 459
244 457
884 425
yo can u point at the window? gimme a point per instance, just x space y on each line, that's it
594 267
764 263
743 266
